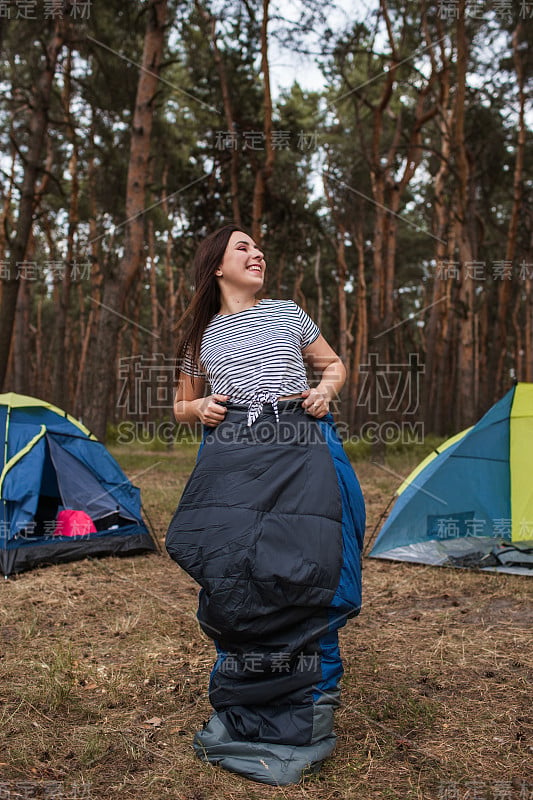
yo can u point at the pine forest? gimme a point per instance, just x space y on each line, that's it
393 202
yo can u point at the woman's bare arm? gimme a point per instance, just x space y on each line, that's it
190 405
324 360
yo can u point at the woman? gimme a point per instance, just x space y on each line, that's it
271 521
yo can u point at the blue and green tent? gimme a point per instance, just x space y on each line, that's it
50 463
470 502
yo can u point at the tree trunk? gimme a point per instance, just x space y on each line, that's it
81 392
501 340
360 345
153 289
118 282
37 125
21 345
319 290
228 111
341 276
378 177
170 294
342 271
466 407
280 275
438 327
263 173
297 294
38 370
5 217
526 374
61 397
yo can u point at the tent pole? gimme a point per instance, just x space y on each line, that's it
152 531
370 542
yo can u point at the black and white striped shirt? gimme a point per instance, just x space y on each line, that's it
255 355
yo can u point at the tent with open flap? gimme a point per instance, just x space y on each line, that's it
470 502
62 495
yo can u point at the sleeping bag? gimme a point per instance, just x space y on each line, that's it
271 526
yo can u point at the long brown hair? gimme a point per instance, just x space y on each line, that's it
206 299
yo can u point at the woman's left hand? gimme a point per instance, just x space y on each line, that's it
316 403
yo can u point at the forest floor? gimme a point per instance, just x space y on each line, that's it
104 673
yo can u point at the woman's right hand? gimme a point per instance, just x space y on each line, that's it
209 410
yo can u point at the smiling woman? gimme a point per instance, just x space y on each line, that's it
242 263
271 521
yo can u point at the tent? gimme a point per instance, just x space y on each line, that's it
470 503
62 495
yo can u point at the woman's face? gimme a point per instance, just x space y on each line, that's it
243 265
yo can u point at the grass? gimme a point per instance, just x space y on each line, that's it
103 675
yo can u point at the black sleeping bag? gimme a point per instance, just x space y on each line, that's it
271 526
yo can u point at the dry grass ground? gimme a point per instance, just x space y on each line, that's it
104 671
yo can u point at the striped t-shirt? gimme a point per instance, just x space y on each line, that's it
255 356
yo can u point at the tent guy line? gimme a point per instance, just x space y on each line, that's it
417 228
410 317
420 488
126 319
152 72
134 478
385 71
164 199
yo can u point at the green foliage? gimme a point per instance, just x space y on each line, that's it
329 135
